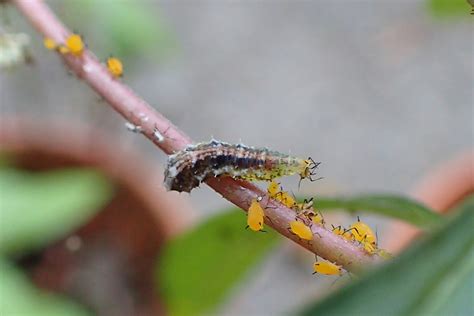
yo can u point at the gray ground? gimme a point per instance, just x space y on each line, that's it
379 91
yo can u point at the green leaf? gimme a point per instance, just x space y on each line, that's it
428 279
449 8
20 297
37 208
199 268
389 205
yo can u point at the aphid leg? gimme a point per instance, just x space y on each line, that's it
269 219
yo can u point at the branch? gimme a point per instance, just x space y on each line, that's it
137 111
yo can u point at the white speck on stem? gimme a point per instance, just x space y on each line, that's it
88 68
133 128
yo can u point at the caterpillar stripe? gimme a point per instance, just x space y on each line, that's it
186 169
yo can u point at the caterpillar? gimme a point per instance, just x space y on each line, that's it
187 168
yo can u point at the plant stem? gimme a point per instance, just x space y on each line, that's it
137 111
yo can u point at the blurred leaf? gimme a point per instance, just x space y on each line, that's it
198 269
425 280
129 28
37 208
20 297
389 205
449 8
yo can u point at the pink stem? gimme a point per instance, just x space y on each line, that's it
135 110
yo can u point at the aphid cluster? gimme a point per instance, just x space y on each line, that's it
187 168
74 45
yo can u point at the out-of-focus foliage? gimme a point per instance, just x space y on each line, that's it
37 208
435 277
19 297
388 205
449 8
13 49
198 269
127 28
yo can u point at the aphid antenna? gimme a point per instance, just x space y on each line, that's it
352 228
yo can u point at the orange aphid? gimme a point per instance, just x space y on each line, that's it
255 215
75 45
115 66
301 230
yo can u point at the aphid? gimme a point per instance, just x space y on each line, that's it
276 192
363 233
49 43
286 199
301 230
75 45
326 267
273 189
158 136
255 216
339 230
63 49
115 67
187 168
315 216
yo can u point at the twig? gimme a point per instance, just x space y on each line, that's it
135 110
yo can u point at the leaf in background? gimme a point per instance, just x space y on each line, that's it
127 28
19 297
37 208
389 205
198 269
449 8
425 280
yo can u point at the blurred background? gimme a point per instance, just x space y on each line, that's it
379 91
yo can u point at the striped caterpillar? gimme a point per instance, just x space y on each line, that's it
187 168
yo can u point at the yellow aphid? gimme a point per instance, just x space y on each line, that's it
75 45
49 43
63 49
273 189
327 268
339 230
306 206
286 199
315 217
301 230
255 215
363 233
115 67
